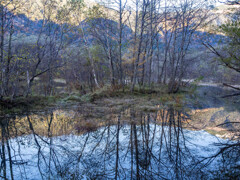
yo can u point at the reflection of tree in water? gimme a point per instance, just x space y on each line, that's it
151 146
5 149
229 165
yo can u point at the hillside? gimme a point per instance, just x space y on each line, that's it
34 10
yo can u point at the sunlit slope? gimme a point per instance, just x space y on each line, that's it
220 15
39 9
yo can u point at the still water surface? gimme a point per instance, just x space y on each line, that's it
63 144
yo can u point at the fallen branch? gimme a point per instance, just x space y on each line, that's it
231 86
227 123
231 95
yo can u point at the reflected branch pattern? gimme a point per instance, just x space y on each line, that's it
132 145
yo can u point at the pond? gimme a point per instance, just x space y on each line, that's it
64 144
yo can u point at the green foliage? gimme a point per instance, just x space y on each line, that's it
230 54
75 98
76 4
95 12
232 30
194 85
96 52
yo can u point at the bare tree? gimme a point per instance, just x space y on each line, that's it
8 9
186 17
51 42
139 39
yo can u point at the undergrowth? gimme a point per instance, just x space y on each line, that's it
148 96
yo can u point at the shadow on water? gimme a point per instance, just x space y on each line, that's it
210 111
213 97
130 145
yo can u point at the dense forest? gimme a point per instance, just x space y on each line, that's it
49 47
119 89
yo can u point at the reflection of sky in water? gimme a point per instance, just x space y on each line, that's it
146 151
